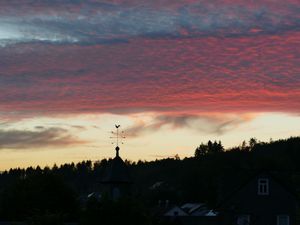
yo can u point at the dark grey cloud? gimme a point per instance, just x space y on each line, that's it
104 23
39 138
199 123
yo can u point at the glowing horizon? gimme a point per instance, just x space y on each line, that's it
173 74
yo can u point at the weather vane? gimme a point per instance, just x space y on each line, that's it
118 136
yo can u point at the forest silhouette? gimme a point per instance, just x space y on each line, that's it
72 192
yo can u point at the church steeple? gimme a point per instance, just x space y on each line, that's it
117 135
117 180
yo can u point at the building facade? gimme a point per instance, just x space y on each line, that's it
263 200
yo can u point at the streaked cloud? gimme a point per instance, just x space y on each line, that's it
205 124
34 139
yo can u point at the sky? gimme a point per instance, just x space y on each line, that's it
172 73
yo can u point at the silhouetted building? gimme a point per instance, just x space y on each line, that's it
190 214
263 200
117 180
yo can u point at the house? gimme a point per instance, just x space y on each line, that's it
191 214
262 200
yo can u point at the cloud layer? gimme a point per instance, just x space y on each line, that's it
207 124
92 22
42 137
188 57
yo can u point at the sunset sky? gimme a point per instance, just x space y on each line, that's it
173 73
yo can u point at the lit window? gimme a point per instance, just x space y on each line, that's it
283 220
243 220
263 186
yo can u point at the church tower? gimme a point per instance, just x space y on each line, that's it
117 180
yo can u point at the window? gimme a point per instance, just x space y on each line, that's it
243 220
283 220
263 186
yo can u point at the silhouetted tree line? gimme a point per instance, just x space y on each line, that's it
52 195
209 148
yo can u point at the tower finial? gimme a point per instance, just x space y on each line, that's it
117 151
117 136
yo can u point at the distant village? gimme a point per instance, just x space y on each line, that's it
261 200
117 191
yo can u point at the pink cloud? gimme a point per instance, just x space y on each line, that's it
212 74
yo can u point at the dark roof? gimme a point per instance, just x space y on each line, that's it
117 172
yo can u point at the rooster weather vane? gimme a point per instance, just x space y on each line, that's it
118 136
